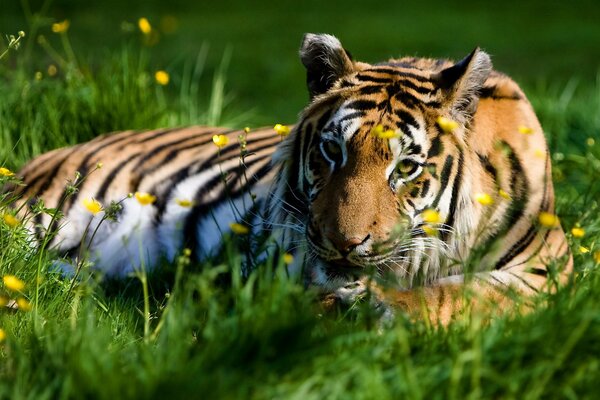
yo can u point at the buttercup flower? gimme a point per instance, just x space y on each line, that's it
247 130
13 283
484 199
239 229
61 27
144 198
24 304
2 335
10 220
6 172
504 194
578 232
539 153
282 130
162 77
92 205
446 124
525 130
597 257
220 140
548 220
429 231
144 26
380 132
583 250
184 203
288 258
52 70
431 216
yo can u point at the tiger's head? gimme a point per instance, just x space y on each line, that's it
377 146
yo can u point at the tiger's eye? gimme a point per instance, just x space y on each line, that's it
331 151
406 168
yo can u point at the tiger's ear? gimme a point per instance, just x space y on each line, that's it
325 60
462 83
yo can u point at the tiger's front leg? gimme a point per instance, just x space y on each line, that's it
487 294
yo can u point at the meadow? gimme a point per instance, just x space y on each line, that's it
188 330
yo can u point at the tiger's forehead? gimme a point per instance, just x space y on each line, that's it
354 120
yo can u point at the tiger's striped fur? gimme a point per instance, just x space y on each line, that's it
188 175
341 199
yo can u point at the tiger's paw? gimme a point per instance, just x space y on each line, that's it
359 295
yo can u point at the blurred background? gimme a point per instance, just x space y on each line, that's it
257 42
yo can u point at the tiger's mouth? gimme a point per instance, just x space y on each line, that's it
343 268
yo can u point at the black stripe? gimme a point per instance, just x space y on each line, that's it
445 234
369 78
489 92
362 105
407 118
371 89
396 72
436 147
444 179
425 188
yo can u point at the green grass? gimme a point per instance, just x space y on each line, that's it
200 331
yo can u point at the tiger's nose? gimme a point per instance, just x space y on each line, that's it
344 244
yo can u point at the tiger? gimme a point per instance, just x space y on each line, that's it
411 179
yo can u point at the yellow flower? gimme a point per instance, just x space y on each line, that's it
484 199
99 165
282 130
144 26
431 216
184 203
187 252
288 258
539 153
548 220
597 256
92 205
578 232
144 198
247 130
52 70
504 194
429 231
11 220
24 304
61 27
525 130
239 229
446 124
38 76
380 132
3 300
162 77
2 335
590 141
6 172
220 140
583 250
13 283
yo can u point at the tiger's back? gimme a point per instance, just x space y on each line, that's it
185 173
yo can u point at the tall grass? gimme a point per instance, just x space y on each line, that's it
187 330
